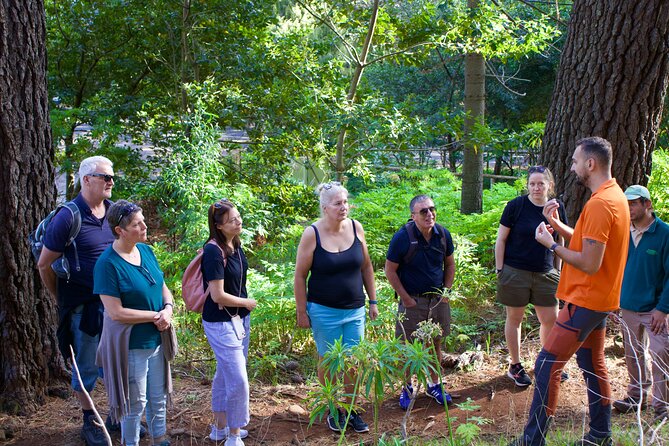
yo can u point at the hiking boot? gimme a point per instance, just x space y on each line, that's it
590 440
437 392
222 434
116 427
519 376
356 422
234 440
92 434
336 422
405 396
628 405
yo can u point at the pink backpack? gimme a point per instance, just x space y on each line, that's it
192 290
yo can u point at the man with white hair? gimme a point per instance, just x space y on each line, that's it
644 301
79 310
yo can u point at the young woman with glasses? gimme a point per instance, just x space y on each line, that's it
138 306
333 255
527 272
226 321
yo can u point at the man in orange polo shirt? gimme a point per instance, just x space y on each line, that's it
590 285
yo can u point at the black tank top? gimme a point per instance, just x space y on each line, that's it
336 277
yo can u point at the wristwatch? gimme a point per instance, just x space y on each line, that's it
553 246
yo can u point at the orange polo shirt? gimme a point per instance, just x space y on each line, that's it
606 219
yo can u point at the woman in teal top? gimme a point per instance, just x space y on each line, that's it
133 292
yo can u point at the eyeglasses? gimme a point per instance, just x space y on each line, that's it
536 169
331 184
147 274
104 176
424 211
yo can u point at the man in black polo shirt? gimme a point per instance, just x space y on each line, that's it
79 310
422 277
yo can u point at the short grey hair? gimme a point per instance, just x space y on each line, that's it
325 192
418 199
90 165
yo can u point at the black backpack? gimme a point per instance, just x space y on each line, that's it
36 238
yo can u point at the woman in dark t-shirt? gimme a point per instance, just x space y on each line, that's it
226 322
527 272
333 255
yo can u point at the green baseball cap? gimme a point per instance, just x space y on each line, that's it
637 191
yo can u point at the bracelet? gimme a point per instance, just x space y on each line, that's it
168 303
373 301
553 247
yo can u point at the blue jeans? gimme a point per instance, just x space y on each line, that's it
230 386
146 381
85 348
329 324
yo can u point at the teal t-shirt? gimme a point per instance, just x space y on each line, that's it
138 287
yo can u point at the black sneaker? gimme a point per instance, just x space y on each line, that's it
590 440
92 434
336 423
518 374
356 422
628 404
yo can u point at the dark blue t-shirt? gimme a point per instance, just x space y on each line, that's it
522 251
425 272
233 273
93 238
139 287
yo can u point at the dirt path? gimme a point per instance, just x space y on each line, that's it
272 424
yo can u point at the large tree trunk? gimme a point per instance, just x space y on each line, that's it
611 83
29 356
472 163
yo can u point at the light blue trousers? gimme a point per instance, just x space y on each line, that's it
230 387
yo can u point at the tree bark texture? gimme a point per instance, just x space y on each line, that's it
611 82
472 164
29 356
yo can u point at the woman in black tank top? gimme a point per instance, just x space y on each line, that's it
333 256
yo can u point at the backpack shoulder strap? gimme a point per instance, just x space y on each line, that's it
413 242
76 222
442 237
225 258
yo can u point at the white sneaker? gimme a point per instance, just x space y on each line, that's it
221 434
234 440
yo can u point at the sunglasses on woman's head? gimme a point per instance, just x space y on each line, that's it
219 204
536 169
331 184
128 209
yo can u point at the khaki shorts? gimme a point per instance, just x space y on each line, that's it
517 287
432 308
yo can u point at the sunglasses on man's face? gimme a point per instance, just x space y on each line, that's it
104 176
424 211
